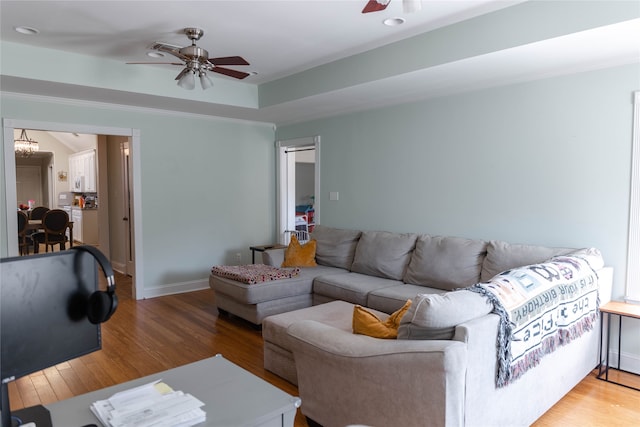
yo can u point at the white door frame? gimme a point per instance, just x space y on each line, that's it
10 178
285 184
125 162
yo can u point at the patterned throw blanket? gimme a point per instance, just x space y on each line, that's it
254 273
542 307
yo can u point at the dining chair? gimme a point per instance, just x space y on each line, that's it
55 223
24 241
38 212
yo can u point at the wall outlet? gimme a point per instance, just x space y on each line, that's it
238 257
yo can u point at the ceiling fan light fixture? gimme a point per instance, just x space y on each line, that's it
155 54
205 81
187 81
410 6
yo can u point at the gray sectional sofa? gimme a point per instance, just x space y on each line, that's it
375 269
445 380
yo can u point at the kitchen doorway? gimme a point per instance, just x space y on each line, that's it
300 155
133 136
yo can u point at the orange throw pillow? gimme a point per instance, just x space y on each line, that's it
367 323
297 255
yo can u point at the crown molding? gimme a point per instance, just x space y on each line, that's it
127 108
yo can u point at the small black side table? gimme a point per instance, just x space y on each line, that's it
621 309
262 248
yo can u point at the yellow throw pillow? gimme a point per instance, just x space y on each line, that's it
367 323
297 255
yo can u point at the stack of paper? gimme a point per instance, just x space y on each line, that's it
150 405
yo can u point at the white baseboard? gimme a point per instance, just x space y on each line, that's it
628 362
118 266
176 288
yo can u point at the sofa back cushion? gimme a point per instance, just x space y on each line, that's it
502 256
445 263
335 247
435 316
383 254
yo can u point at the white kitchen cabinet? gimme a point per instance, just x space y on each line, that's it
76 217
67 209
85 225
89 163
83 165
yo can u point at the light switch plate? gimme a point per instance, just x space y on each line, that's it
333 195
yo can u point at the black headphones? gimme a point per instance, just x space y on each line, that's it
101 304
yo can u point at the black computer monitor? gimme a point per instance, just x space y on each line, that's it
43 318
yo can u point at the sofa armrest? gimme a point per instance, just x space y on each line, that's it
273 257
345 378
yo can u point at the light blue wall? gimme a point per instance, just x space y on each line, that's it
546 162
208 185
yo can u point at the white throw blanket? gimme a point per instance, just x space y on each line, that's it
541 307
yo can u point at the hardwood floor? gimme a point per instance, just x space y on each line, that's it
148 336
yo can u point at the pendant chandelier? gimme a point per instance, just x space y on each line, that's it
24 146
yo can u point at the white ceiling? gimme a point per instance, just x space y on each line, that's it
76 141
278 38
283 38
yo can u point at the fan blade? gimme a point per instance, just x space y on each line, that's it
170 49
375 6
182 73
229 60
231 73
156 63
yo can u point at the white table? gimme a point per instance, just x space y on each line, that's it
232 396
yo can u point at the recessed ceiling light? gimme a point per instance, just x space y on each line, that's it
392 22
27 30
154 54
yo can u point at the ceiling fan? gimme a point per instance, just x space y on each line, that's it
196 61
408 6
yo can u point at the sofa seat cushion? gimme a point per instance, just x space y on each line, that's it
435 316
337 314
446 262
335 247
503 256
351 287
267 291
390 299
255 313
383 254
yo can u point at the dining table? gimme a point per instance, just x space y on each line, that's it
36 224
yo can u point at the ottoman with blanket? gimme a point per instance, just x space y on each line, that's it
256 291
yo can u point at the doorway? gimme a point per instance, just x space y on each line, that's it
29 185
34 179
297 155
10 176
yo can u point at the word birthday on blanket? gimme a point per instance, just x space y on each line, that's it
532 290
542 306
